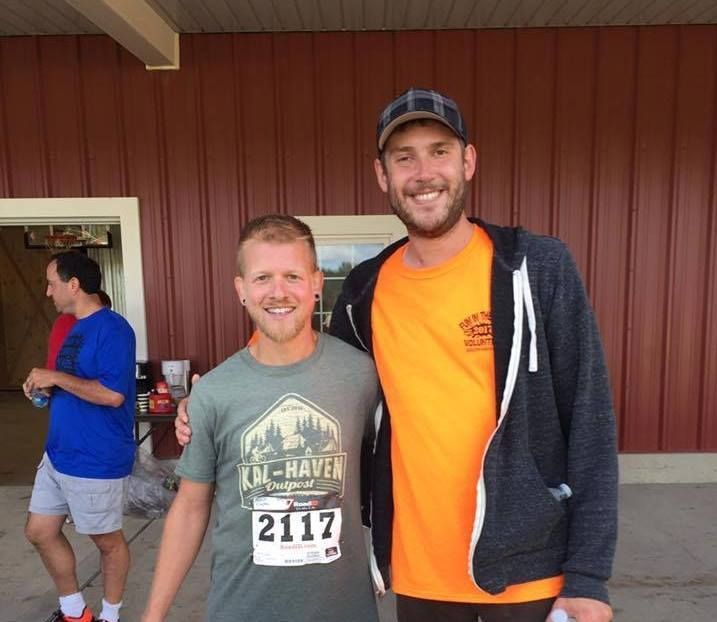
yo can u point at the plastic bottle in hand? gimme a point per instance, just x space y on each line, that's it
39 398
559 615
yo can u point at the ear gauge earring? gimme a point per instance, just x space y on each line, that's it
243 302
317 297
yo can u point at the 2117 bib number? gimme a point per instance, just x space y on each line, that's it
296 538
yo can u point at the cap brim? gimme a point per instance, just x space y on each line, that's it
411 116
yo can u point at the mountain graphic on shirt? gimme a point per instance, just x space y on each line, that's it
292 452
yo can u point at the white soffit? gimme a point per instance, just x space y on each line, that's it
40 17
55 17
358 15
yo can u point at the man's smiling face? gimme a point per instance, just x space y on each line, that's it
425 171
279 282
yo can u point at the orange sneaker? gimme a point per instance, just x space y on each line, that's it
85 617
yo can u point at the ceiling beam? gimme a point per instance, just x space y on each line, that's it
135 26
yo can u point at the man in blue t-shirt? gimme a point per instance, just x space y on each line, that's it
90 449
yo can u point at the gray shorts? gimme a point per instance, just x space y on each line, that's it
95 504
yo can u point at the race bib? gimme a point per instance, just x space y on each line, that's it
296 538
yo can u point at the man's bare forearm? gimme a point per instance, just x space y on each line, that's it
184 530
92 391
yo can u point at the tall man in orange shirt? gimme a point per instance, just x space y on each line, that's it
494 485
495 476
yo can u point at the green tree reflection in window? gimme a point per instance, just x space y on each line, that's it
336 261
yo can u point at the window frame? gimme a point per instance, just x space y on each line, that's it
353 230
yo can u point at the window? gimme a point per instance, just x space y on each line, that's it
342 242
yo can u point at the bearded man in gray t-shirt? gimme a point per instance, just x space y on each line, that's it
278 435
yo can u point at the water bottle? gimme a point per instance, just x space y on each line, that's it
559 615
561 493
39 398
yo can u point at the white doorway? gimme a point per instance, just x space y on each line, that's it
102 211
22 427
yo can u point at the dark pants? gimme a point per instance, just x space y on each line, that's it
419 610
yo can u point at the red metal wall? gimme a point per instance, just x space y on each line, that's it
604 137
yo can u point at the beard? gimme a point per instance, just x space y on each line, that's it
433 225
279 331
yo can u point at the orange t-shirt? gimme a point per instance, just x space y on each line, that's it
433 344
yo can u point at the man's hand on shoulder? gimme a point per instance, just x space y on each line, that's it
182 430
584 609
39 378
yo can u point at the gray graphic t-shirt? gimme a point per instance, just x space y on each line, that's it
283 446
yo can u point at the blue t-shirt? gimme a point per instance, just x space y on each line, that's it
85 439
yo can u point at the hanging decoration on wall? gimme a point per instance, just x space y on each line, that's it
59 237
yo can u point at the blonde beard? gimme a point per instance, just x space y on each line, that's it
279 334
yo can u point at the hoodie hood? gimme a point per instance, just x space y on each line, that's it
509 247
509 256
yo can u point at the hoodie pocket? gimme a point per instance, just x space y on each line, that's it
522 513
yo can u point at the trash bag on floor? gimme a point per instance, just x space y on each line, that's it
151 487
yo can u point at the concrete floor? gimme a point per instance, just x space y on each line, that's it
22 436
665 570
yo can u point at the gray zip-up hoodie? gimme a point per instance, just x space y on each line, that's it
547 493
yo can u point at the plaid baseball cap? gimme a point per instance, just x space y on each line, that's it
419 104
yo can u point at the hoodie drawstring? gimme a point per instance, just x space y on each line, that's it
522 299
528 298
349 313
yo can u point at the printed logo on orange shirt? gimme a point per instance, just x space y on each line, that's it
478 331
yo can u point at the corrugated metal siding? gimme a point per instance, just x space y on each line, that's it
605 137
